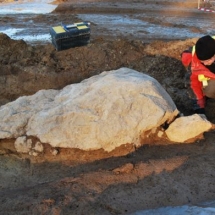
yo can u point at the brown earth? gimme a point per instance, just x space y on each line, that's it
128 179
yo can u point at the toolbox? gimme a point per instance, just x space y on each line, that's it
67 36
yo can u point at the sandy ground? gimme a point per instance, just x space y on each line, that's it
127 179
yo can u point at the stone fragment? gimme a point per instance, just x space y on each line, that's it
23 145
54 152
160 133
188 127
38 147
33 153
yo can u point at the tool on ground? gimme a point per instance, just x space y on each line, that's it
67 36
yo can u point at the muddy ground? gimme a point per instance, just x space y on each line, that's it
127 179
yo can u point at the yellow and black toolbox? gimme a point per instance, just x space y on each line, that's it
67 36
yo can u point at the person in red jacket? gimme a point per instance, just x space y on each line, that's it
200 59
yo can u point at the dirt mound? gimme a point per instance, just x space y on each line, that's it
26 69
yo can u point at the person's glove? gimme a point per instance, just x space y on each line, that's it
200 111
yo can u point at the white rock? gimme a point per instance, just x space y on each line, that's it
104 111
38 147
160 133
187 127
33 153
23 145
54 152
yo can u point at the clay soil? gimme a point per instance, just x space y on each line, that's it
128 179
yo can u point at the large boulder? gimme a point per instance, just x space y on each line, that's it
104 111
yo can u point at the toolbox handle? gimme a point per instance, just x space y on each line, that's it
75 25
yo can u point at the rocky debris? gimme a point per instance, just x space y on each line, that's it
54 152
82 115
23 145
186 128
38 147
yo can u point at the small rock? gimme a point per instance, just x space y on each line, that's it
160 133
33 153
23 145
38 147
54 152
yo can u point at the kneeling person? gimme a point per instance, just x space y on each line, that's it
200 59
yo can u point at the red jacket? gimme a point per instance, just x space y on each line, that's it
197 68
